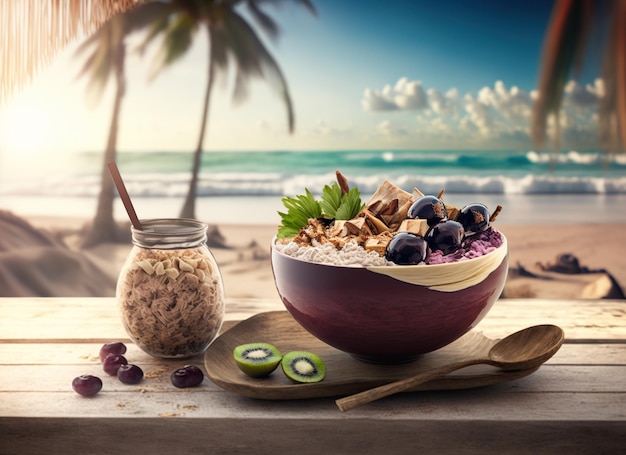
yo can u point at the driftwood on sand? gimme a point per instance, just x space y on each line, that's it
564 277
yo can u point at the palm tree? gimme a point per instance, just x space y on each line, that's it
569 32
106 59
230 38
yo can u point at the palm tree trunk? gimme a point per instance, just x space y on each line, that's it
104 228
189 206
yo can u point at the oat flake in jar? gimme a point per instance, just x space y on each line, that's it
170 291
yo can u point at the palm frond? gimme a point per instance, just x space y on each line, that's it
100 62
219 48
154 30
308 5
146 15
177 40
254 60
563 48
263 20
619 59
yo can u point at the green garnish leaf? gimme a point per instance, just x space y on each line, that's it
334 204
331 200
351 205
339 206
299 210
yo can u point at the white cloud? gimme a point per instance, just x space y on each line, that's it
584 97
376 101
478 116
439 126
405 95
323 128
513 104
497 115
384 128
441 103
409 95
391 130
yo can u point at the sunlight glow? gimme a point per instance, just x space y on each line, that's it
24 128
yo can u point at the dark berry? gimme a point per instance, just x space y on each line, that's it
474 218
112 363
406 248
446 237
114 347
429 208
129 374
188 376
87 385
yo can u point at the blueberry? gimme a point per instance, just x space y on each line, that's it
406 248
474 218
429 208
446 236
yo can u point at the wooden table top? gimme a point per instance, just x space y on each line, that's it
575 403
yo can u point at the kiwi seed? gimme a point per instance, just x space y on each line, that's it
302 366
257 359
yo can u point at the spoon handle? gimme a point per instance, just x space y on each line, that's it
367 396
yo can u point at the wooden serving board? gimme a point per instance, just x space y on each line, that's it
345 375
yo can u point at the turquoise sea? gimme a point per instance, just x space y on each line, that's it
247 187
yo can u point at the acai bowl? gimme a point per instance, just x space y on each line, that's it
394 278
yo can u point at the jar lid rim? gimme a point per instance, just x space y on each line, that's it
169 232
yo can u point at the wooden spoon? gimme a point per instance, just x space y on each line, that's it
528 348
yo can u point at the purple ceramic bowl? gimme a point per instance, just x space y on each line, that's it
390 314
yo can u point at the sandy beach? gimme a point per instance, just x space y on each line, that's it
246 268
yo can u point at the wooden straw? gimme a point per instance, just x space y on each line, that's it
121 189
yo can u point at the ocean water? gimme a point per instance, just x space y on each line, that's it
247 187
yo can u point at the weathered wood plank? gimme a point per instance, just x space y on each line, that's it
499 402
58 378
90 319
97 319
87 354
573 404
312 436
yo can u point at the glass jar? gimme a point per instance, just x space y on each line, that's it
170 291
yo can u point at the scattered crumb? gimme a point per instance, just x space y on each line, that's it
121 404
89 357
156 373
189 406
170 414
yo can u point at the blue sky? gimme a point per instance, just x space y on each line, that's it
362 75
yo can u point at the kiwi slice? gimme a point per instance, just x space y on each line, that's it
257 359
302 366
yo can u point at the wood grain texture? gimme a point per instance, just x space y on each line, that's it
345 375
312 436
573 404
79 319
524 350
